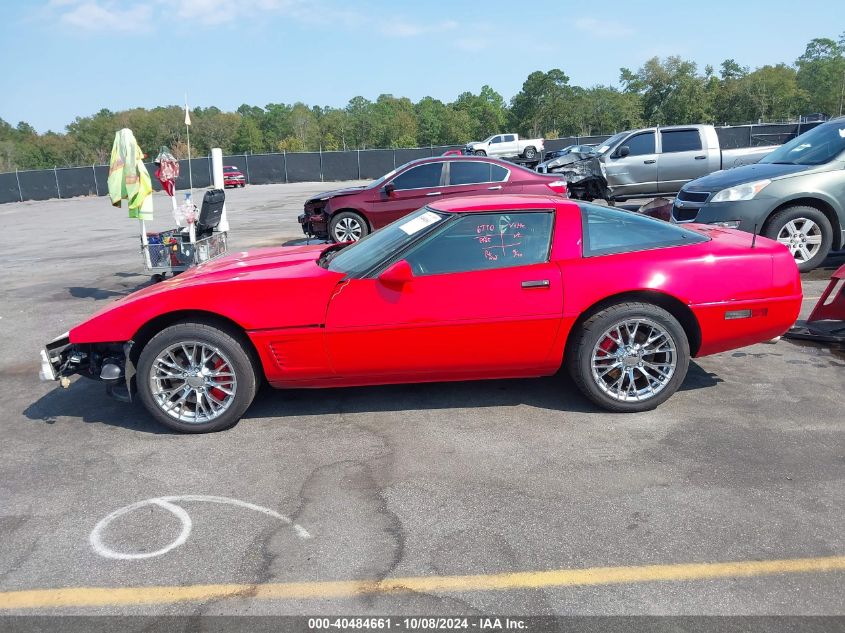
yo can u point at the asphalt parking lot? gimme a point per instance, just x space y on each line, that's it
482 497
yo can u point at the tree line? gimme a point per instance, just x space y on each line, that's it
662 92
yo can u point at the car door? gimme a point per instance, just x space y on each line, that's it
510 146
484 301
682 158
473 178
636 172
411 189
495 146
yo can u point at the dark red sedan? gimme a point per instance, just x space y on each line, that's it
232 177
347 215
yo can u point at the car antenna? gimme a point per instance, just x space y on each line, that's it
754 237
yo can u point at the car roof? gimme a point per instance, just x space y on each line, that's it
499 202
451 159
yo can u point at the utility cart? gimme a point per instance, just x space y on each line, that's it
176 250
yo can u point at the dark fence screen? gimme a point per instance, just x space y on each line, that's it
261 169
303 167
340 166
38 185
376 162
76 181
9 188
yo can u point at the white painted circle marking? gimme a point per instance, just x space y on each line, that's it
96 541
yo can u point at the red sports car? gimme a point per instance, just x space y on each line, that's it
232 177
347 215
463 289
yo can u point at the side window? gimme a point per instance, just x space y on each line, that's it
509 138
420 177
641 144
496 139
498 173
679 141
469 172
607 231
484 242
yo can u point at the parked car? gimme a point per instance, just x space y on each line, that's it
506 146
557 160
505 286
347 215
795 195
655 161
232 177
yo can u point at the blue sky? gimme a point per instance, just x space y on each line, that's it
74 57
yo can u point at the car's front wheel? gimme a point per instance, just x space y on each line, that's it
805 231
530 153
629 357
347 226
196 378
480 152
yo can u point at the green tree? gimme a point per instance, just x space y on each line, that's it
821 74
672 91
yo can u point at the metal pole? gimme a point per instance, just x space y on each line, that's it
358 151
20 191
56 174
96 187
285 158
246 158
321 162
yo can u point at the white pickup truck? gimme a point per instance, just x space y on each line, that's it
507 146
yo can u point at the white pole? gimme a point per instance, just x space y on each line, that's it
217 174
145 243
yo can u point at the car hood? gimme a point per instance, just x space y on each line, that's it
335 193
747 173
257 289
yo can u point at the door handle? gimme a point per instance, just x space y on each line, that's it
536 283
494 188
649 162
700 157
435 193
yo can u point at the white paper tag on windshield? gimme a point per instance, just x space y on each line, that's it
842 132
418 224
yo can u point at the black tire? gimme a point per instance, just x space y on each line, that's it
777 227
592 333
347 226
530 152
232 346
480 152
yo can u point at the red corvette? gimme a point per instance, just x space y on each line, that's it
482 287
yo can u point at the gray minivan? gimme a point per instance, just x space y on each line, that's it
795 195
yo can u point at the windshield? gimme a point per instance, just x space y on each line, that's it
360 257
818 146
613 140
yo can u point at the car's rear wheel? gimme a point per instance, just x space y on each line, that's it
348 226
629 357
530 153
196 378
805 231
480 152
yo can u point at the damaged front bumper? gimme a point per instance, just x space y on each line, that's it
110 363
315 223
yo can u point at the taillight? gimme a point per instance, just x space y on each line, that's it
558 186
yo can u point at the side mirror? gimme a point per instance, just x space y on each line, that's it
623 151
389 189
397 274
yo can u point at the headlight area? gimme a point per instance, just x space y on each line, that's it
107 362
745 191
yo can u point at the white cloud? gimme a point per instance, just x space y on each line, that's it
108 16
606 27
403 28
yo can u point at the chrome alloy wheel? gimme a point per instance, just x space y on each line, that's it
348 230
634 360
193 382
802 237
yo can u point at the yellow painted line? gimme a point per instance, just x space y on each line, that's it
132 596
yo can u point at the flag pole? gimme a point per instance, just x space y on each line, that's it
191 226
